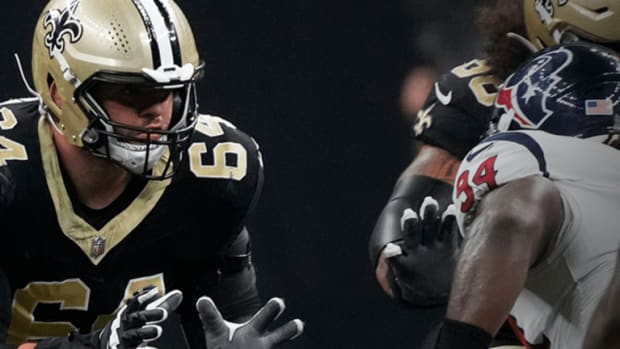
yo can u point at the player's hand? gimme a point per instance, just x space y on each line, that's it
136 323
421 265
253 334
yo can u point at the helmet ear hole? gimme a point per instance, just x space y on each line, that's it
177 104
177 107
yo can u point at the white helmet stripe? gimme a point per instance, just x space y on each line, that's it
161 33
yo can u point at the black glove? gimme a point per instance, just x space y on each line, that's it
134 324
409 192
420 266
252 334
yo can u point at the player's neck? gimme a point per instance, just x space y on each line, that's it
97 181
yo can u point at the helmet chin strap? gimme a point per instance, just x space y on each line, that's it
67 73
525 42
42 108
23 76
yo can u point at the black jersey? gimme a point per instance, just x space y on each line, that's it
457 112
67 274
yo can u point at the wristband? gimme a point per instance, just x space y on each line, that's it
451 334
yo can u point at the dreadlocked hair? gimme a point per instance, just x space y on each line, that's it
504 54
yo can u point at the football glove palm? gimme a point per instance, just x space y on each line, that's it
253 334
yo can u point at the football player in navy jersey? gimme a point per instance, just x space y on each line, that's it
119 199
538 206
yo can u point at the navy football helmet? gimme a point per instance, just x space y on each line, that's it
571 90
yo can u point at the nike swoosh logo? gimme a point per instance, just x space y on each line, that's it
471 156
445 99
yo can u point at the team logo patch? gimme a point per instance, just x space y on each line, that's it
62 22
525 96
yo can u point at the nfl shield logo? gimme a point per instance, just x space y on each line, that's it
98 247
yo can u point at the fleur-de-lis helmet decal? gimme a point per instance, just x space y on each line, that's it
551 22
61 23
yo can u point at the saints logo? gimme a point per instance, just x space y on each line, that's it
423 120
61 23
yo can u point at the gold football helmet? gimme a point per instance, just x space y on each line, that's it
79 44
551 22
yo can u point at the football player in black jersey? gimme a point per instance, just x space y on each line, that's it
129 186
414 245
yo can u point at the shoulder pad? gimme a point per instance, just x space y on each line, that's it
225 157
458 109
218 133
497 160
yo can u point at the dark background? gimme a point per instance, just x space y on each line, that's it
316 83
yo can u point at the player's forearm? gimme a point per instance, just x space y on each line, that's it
409 192
430 174
434 162
236 295
487 281
509 233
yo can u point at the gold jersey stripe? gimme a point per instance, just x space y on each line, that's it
72 225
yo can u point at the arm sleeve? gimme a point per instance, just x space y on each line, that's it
456 114
236 294
228 277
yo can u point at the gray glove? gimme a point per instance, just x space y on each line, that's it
252 334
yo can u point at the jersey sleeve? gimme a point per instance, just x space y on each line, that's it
227 163
499 159
457 111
